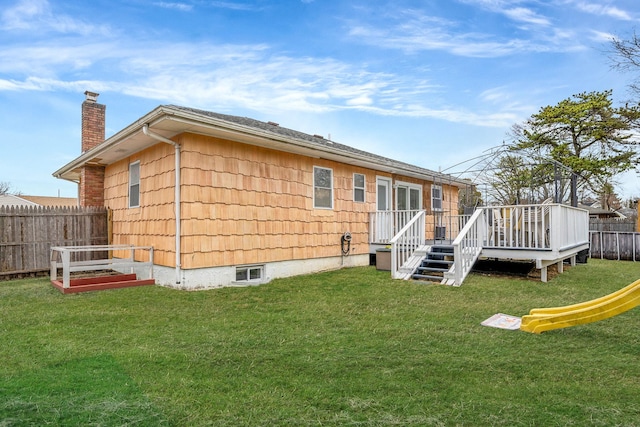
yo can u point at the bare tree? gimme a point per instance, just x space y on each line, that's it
5 188
625 56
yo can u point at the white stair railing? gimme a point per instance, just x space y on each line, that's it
467 248
406 242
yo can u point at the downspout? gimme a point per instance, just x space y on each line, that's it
177 200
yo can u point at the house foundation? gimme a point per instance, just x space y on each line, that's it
219 277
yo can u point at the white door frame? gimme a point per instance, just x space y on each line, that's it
386 181
384 218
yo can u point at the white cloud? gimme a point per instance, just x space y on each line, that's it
603 10
36 16
512 10
49 85
54 58
23 13
523 14
506 98
228 76
183 7
224 77
603 37
234 5
495 95
413 31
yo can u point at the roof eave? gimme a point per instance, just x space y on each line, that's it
70 171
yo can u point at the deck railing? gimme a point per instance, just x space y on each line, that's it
551 228
538 227
570 226
64 257
383 225
443 226
406 242
518 226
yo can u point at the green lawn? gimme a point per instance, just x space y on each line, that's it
350 347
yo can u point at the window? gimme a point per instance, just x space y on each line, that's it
436 198
358 187
252 273
383 193
414 199
402 198
134 185
322 188
408 196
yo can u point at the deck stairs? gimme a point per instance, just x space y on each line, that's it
436 263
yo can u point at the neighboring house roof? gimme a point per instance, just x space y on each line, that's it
599 211
171 120
628 212
13 200
52 201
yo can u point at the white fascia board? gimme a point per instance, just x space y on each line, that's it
109 143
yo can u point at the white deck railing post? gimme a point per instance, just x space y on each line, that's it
66 273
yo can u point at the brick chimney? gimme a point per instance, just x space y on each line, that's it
91 190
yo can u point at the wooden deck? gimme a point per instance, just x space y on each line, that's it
100 283
546 233
106 262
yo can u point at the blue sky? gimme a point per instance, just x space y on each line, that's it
433 83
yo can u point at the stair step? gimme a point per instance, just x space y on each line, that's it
437 261
442 270
439 255
447 249
427 277
435 267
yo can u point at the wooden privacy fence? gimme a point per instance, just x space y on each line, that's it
28 233
608 224
615 245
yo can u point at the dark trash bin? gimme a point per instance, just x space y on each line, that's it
581 257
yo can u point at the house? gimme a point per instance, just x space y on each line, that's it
51 201
13 200
227 200
35 201
595 211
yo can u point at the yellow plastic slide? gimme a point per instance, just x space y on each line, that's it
546 319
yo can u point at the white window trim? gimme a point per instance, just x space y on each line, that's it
389 185
409 185
132 184
314 188
441 208
363 188
260 268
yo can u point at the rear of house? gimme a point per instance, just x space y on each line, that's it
227 200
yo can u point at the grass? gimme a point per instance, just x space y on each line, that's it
350 347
